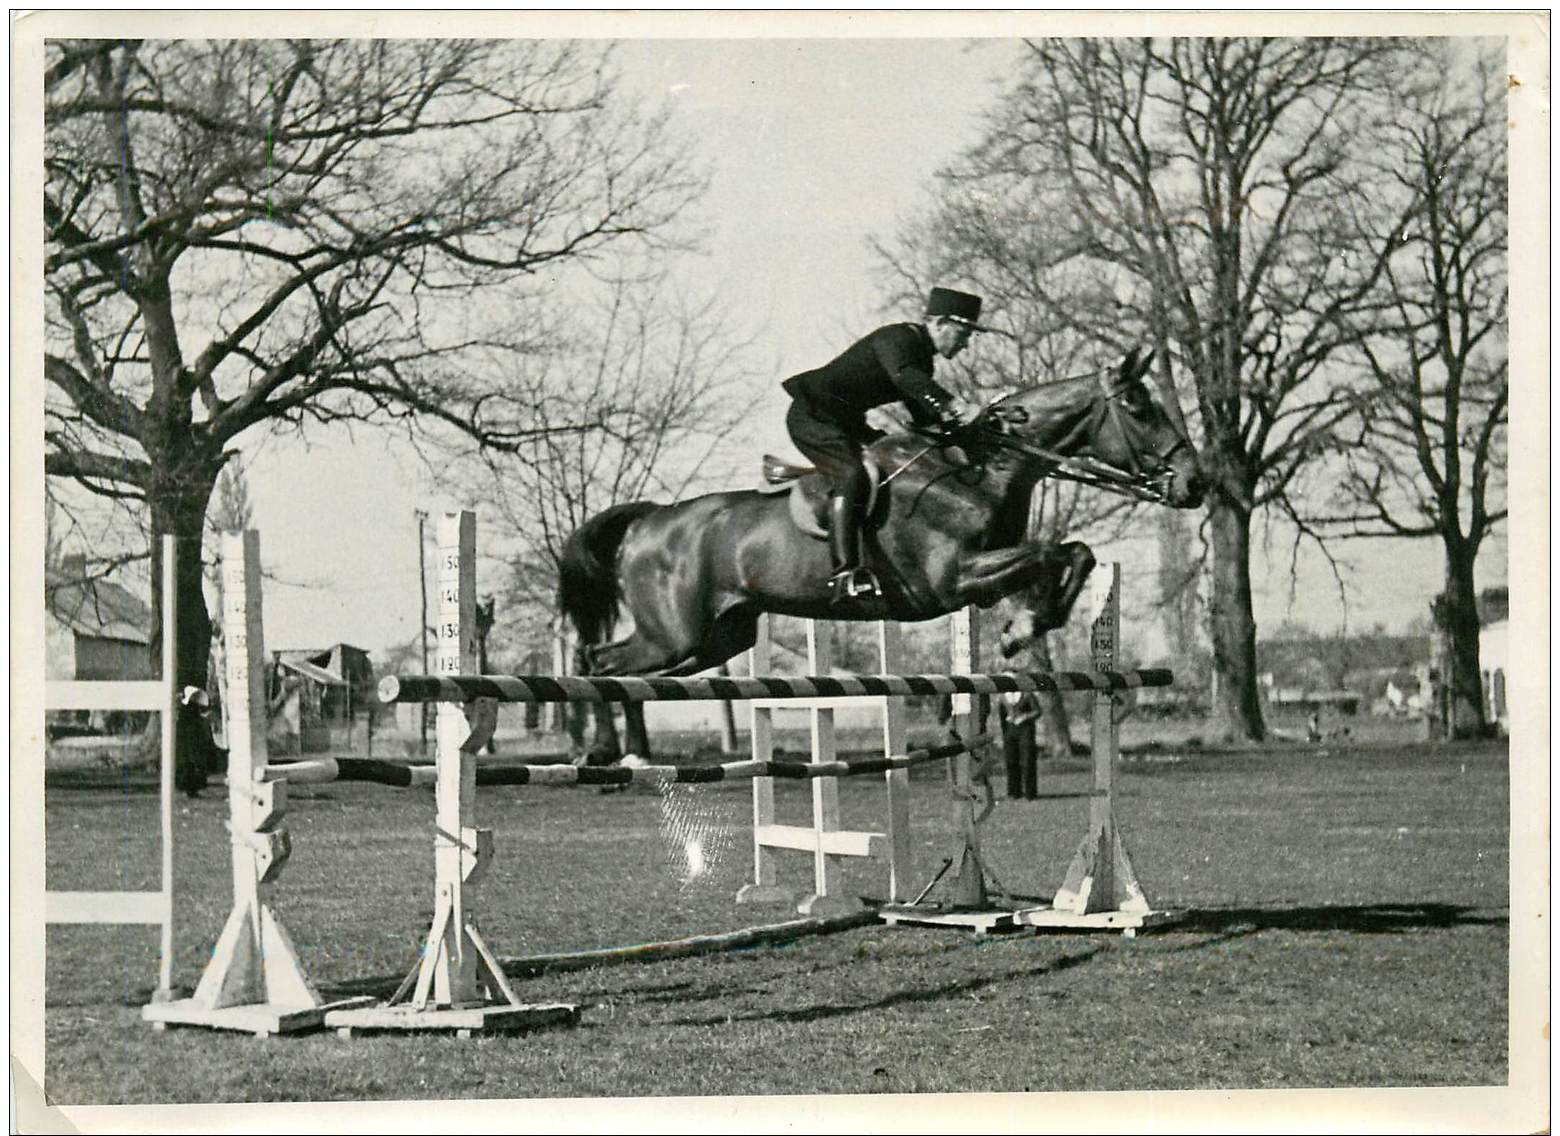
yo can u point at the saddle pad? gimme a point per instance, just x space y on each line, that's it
809 503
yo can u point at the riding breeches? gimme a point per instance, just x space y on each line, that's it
832 445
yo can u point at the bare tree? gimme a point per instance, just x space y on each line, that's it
232 511
1431 455
1194 193
286 235
656 369
657 373
1177 574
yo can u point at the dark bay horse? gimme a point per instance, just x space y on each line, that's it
947 530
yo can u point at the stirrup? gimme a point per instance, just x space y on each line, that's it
854 584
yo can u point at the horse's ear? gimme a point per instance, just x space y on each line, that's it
1129 367
1142 367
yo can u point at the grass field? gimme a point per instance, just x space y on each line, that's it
1346 925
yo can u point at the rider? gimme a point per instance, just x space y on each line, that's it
827 420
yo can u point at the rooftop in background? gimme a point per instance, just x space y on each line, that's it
97 608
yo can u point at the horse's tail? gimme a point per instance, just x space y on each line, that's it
588 590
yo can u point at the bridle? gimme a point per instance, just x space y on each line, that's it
1146 484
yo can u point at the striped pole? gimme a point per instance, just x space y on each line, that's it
554 688
319 771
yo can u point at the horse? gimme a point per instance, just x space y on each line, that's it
946 529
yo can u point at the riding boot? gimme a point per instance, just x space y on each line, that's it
850 581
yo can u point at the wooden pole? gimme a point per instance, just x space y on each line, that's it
969 891
825 898
422 624
170 749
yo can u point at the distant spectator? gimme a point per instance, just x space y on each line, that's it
198 755
1313 727
1019 711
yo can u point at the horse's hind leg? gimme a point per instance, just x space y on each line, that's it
603 748
736 630
636 655
635 736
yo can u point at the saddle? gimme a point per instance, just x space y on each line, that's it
810 493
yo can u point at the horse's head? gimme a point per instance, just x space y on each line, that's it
1114 420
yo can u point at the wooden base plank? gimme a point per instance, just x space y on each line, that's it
465 1021
766 894
981 922
805 838
1127 922
1039 918
259 1019
827 905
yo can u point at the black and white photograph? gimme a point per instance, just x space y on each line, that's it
780 571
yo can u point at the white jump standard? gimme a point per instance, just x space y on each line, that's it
458 983
1100 889
254 982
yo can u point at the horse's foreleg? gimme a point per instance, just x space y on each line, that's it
1045 580
986 577
1080 562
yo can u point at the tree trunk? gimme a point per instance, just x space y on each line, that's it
1459 620
184 517
1237 709
182 514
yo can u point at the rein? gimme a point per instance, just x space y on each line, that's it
1085 471
1090 471
1134 482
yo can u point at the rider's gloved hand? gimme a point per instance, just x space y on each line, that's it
959 412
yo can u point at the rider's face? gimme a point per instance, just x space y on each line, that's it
949 336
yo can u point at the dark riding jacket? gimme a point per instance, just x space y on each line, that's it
892 363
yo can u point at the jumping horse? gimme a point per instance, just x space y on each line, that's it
946 529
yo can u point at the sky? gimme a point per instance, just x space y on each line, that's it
813 146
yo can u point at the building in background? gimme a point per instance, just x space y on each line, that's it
93 630
1387 676
1494 618
317 697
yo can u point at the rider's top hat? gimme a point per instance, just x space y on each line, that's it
958 306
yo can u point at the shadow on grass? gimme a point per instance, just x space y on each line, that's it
118 781
949 990
1364 919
